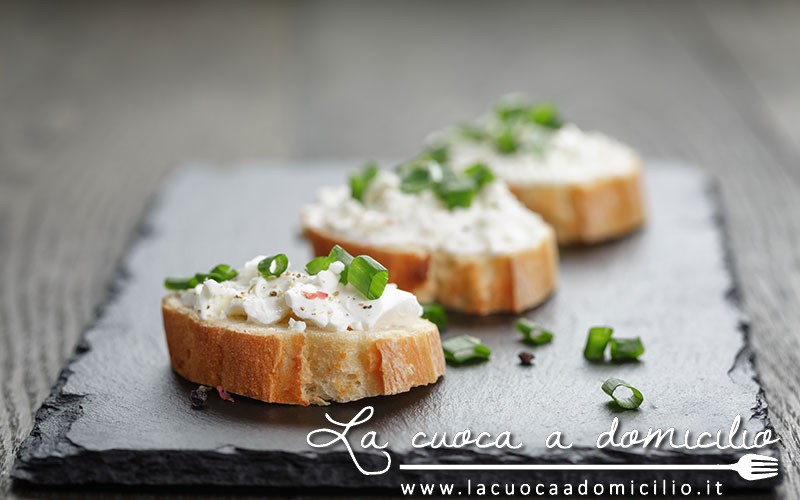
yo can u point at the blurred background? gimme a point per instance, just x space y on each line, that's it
99 101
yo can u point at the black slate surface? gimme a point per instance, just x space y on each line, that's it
119 416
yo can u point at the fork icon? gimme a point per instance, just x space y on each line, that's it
750 467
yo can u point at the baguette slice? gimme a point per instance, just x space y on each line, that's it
472 283
585 184
278 365
587 212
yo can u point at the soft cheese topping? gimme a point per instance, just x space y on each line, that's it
566 155
494 222
298 300
528 143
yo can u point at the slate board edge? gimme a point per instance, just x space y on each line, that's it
47 458
745 359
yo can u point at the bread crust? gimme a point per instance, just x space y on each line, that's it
475 283
277 365
588 212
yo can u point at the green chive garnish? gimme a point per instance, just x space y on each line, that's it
415 177
360 180
464 348
273 266
533 334
511 110
626 349
318 264
624 394
439 154
480 173
368 276
322 263
472 132
457 191
454 189
220 273
596 342
546 115
175 283
436 315
339 254
506 143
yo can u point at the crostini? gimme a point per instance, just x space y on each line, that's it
457 238
585 184
335 332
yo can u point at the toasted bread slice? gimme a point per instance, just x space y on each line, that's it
586 184
473 283
587 212
278 365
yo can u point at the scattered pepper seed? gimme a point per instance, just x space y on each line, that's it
525 358
198 397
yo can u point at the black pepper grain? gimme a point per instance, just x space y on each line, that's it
198 397
525 358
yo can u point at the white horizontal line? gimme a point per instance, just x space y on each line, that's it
513 467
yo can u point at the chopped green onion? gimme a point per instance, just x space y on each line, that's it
480 173
220 273
456 191
439 154
510 110
339 254
506 143
273 266
368 276
472 132
532 333
436 315
546 115
415 177
626 349
322 263
360 180
624 394
596 342
175 283
464 348
318 264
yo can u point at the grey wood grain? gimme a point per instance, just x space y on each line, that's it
99 101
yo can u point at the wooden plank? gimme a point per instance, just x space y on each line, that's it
102 101
764 43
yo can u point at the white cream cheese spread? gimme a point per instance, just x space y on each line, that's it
297 300
495 222
566 155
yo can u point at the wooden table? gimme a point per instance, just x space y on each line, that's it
99 101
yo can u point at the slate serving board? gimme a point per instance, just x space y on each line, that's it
120 416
